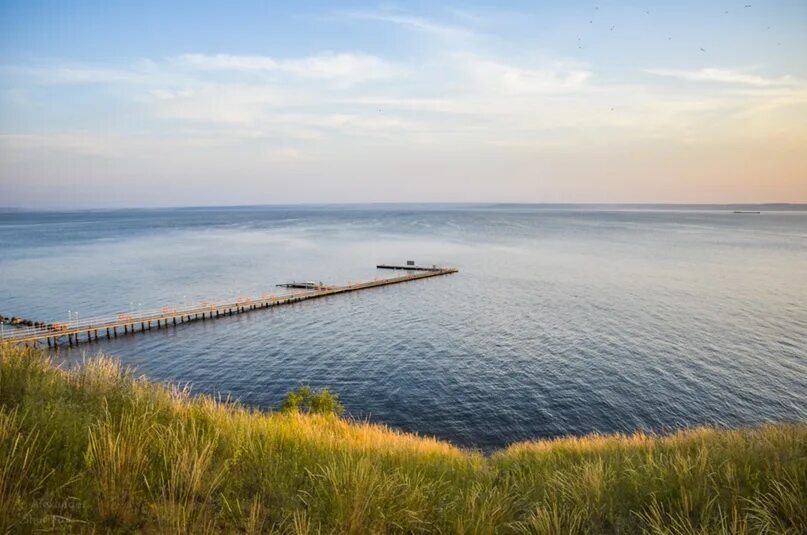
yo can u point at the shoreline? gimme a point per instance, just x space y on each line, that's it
98 448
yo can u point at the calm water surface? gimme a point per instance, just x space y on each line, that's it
561 320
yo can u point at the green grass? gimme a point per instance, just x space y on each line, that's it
100 450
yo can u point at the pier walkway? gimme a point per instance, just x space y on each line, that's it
128 323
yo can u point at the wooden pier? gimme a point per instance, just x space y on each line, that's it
128 323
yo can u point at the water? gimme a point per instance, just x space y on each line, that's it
561 321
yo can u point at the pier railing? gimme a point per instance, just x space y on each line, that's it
128 321
98 322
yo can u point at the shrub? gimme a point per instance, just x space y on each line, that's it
304 399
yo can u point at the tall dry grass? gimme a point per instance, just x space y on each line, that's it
97 449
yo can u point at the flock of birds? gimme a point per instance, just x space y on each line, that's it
647 12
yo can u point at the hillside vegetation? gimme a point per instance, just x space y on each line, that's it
97 449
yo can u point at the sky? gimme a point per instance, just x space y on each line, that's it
118 104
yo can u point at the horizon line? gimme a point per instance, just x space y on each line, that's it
12 209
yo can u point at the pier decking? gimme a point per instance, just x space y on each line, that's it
128 323
409 267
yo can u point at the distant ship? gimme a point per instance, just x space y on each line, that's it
746 212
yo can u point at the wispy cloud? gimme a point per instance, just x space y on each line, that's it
346 68
217 103
722 76
508 79
414 23
349 66
75 74
462 97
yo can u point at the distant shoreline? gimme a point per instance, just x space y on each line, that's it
415 206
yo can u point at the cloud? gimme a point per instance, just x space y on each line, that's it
417 24
79 143
722 76
98 147
508 79
235 104
463 94
74 74
348 66
466 84
343 68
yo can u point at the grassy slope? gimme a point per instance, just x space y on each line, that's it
99 450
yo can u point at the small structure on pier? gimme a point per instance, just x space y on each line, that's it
410 266
308 285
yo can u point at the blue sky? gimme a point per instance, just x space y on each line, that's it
185 103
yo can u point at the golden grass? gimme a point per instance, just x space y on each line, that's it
97 449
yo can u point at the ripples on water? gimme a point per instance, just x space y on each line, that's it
561 321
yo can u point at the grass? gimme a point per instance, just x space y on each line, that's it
97 449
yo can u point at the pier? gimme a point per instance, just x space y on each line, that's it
87 330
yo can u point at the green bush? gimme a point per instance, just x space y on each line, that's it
309 401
